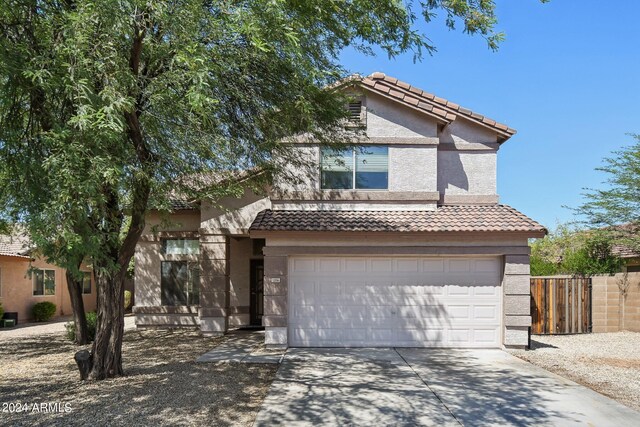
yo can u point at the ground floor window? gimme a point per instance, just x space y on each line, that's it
86 282
44 282
180 283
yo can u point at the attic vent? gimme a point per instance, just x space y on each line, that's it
355 111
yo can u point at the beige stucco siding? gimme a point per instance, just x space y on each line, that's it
236 217
239 276
16 288
147 273
465 131
187 220
462 173
413 168
388 119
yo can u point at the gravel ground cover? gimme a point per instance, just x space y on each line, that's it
608 363
163 386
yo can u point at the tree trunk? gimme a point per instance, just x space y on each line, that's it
107 345
77 303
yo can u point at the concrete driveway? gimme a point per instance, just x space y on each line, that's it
429 387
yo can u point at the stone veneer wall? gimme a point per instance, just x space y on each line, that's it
610 311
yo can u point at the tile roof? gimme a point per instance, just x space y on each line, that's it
439 108
178 205
493 218
622 251
16 245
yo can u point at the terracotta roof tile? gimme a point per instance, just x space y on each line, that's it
16 245
396 94
494 218
399 90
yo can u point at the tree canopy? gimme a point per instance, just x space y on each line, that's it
615 209
572 251
106 107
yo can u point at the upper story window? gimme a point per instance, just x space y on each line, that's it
362 168
44 282
181 247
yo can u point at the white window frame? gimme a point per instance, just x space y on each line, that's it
44 292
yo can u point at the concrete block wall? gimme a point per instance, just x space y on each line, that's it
611 312
517 300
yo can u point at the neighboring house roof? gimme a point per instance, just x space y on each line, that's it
443 110
16 245
624 252
494 218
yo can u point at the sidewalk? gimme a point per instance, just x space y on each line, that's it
54 327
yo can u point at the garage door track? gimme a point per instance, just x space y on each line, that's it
410 387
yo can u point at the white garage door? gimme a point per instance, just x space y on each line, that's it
399 302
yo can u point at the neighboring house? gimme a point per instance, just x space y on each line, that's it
400 243
26 279
630 258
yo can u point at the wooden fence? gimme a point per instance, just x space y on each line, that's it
560 305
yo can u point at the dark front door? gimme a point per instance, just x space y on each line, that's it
257 292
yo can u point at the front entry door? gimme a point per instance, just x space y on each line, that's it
256 308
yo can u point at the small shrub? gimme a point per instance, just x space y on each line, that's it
1 310
92 321
43 311
127 300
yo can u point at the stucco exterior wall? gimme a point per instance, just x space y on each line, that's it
236 217
458 160
187 220
413 168
224 265
465 131
388 119
467 173
239 277
16 288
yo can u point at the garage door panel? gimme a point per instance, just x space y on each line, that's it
303 265
485 313
458 312
403 301
485 336
486 290
357 265
459 291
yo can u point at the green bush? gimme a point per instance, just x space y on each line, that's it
43 311
92 321
127 300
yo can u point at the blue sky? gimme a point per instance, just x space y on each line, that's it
567 78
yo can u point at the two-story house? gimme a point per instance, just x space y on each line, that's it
400 241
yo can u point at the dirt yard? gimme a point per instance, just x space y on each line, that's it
163 386
608 363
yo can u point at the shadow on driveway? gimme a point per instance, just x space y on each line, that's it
428 387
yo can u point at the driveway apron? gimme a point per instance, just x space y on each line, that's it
410 387
349 387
